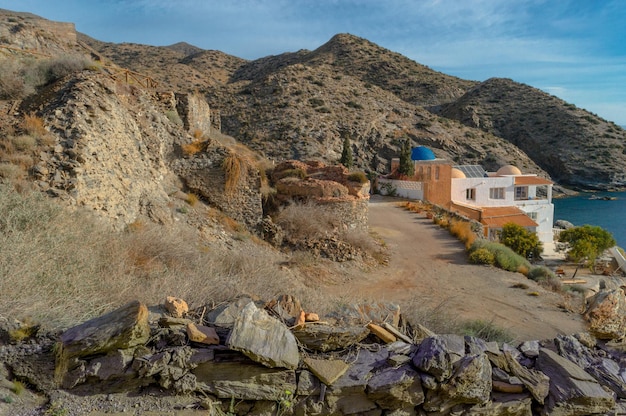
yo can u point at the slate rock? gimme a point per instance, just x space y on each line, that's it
572 390
244 379
328 371
432 357
225 315
471 383
395 388
263 338
536 382
122 328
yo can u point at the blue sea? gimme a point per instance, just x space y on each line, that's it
610 215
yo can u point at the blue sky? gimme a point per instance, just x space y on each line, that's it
574 49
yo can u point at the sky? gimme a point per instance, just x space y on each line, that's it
573 49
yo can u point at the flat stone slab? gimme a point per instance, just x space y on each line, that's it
328 371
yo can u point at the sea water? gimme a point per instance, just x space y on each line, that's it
608 214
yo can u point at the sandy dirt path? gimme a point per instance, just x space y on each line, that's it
429 265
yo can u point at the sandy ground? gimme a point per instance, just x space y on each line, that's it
430 266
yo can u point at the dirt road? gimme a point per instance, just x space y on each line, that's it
429 265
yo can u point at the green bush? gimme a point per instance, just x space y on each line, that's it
586 242
482 256
520 240
293 173
359 177
540 273
505 258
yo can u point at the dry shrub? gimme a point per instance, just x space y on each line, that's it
359 177
192 199
194 147
23 161
24 142
33 126
463 231
10 172
307 220
198 134
236 170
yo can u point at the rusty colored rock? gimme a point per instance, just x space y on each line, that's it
177 307
202 334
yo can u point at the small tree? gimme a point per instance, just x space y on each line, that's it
520 240
586 242
406 164
346 153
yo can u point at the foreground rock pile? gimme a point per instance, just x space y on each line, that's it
253 357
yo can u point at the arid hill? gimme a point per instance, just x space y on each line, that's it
301 105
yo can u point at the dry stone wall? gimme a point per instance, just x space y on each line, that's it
274 358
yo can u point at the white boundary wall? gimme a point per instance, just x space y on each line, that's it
404 189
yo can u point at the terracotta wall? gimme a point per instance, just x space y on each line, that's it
437 178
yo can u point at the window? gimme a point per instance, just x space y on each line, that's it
496 193
521 192
436 173
470 193
532 215
428 173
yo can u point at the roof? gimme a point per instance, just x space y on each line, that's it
499 216
422 153
532 180
472 171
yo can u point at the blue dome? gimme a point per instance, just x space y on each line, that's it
422 153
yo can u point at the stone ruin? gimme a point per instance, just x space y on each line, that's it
257 358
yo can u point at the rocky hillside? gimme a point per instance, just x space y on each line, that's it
301 105
575 147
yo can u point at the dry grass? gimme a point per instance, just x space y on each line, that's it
60 274
34 126
236 170
307 220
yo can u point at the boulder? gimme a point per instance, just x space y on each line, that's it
122 328
572 390
225 314
285 307
504 405
606 314
264 339
605 370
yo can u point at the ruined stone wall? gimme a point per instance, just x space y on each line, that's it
353 213
194 111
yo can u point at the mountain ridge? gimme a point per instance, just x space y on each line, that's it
302 104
